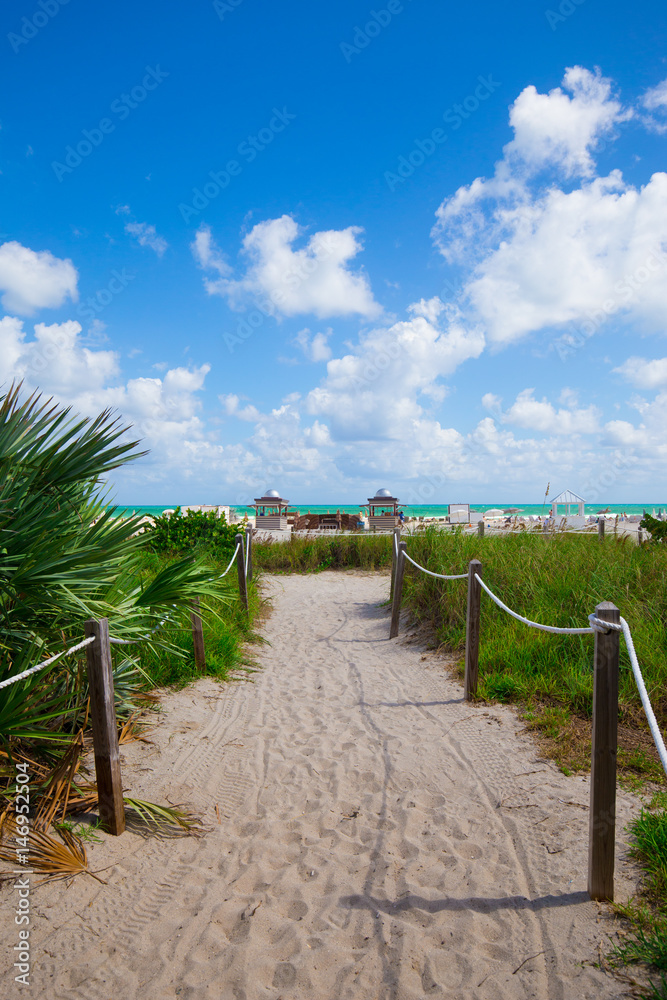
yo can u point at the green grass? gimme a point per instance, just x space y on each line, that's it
311 555
646 943
227 630
556 581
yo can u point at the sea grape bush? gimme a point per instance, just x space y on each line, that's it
658 529
196 529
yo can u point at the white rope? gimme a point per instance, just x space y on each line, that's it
231 563
527 621
46 663
440 576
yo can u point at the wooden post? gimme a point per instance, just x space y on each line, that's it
248 541
104 726
601 529
472 629
240 565
398 590
480 529
198 637
640 536
395 541
602 831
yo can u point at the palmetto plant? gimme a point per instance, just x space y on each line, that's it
65 557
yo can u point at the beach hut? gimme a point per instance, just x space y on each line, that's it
383 511
568 498
271 511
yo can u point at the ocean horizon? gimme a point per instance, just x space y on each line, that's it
411 510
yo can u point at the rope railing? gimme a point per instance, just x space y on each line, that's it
607 625
440 576
526 621
45 663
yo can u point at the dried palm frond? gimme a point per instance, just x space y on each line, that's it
53 858
57 791
133 729
166 817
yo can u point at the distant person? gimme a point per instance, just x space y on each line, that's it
401 516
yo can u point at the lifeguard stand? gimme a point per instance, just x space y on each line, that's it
383 511
271 511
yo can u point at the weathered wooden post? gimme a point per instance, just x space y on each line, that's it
480 529
398 590
198 636
240 565
472 629
601 529
248 541
602 831
104 726
640 536
396 538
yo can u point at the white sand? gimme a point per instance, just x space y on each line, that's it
380 838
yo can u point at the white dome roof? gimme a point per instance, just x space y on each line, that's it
383 493
272 493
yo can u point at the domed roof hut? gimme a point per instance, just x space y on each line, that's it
270 511
383 511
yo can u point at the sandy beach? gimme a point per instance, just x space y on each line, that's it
375 837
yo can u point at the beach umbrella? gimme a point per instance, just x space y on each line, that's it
494 512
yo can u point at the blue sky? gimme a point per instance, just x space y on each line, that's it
332 248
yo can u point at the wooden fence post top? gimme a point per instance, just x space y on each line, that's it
607 610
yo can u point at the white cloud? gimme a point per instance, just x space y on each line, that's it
560 131
315 348
147 236
540 415
381 390
313 279
32 280
656 97
545 255
655 100
644 374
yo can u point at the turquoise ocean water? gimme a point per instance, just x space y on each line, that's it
426 510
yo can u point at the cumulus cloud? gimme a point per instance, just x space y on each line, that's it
315 278
547 254
560 131
32 280
644 374
383 388
541 415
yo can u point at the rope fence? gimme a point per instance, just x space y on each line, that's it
606 625
97 644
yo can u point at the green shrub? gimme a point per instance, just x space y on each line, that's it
194 530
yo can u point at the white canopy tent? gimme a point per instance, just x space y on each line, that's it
569 499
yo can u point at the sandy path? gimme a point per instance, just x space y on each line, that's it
380 838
